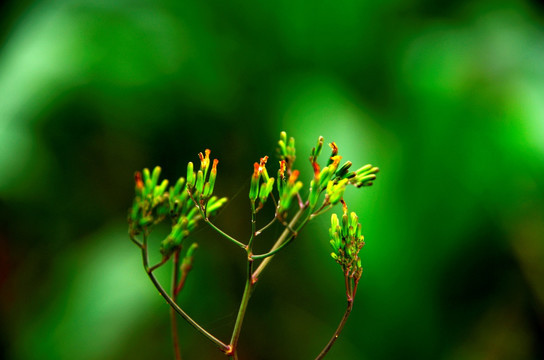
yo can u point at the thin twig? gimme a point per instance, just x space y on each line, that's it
173 316
337 332
283 237
213 226
222 346
134 240
161 263
266 226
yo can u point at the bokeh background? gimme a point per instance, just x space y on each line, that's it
447 98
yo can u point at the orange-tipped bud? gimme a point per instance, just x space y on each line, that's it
214 166
204 161
262 167
254 188
293 177
281 172
138 180
317 170
256 170
335 162
263 161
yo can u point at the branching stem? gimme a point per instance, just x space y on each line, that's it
247 289
283 237
212 225
222 346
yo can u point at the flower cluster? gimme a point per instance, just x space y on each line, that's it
263 191
334 179
346 241
153 203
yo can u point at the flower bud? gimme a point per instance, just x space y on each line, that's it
159 190
204 162
314 194
155 176
215 204
213 176
177 189
200 181
254 187
334 152
317 150
325 176
190 176
343 171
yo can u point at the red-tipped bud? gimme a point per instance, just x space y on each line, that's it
317 170
293 177
334 149
254 188
139 181
214 166
262 166
256 171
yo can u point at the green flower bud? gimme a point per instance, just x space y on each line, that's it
353 220
147 175
190 176
254 187
159 190
363 169
314 194
336 192
215 204
199 181
167 247
291 146
135 213
359 232
176 190
187 262
155 176
324 176
266 189
345 225
334 221
365 180
317 150
207 191
343 171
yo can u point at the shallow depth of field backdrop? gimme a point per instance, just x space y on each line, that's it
447 98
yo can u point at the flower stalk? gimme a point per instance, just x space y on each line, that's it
191 200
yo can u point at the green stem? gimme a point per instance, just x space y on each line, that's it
273 252
266 226
283 237
324 208
227 236
161 263
173 317
134 240
242 311
207 220
253 227
247 289
222 346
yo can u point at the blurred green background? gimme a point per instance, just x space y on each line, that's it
447 98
